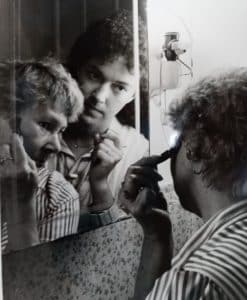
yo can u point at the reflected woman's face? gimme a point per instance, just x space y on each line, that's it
107 88
41 127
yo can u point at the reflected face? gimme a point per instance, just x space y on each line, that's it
107 88
182 174
41 127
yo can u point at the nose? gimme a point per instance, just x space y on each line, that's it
102 93
54 143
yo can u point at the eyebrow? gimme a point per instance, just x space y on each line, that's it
94 68
59 122
122 82
55 121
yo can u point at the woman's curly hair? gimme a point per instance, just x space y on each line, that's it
108 39
212 118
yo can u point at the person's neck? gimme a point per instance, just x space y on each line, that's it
210 201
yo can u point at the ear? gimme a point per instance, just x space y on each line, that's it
197 167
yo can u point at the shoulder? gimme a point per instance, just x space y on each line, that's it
182 284
223 257
55 185
132 134
129 136
57 206
228 238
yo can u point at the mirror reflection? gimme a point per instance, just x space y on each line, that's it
68 116
103 263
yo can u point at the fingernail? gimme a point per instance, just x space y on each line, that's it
133 176
107 129
97 138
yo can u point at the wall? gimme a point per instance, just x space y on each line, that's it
32 29
215 32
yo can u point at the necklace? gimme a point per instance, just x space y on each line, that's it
74 145
77 145
80 150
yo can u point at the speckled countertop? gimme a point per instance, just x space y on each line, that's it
100 264
97 265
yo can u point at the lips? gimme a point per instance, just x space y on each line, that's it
45 156
92 110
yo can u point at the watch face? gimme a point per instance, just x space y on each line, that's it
106 217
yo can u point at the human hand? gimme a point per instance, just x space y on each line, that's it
140 196
5 132
142 173
106 155
19 182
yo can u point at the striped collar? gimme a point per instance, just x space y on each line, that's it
214 224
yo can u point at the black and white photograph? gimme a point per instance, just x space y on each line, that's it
123 141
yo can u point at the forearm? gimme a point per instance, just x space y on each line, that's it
21 222
101 195
155 260
21 236
20 208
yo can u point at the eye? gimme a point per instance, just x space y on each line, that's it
119 88
45 125
62 130
92 75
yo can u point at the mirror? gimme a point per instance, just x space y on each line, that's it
66 30
100 263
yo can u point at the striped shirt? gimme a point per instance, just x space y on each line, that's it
57 208
212 264
134 147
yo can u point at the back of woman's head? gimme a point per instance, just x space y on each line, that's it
212 118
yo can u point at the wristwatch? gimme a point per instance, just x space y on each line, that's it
94 220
